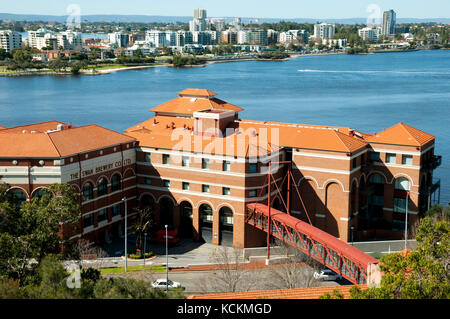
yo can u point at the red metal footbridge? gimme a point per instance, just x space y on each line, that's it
335 254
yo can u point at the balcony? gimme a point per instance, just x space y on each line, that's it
433 163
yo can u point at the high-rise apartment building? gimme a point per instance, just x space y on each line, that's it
10 40
156 38
199 21
324 30
389 18
119 38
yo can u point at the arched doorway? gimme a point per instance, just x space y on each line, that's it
375 201
206 222
226 226
166 213
186 228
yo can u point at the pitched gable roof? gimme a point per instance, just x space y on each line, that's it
401 134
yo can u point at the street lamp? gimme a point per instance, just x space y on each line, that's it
167 263
145 242
126 234
406 219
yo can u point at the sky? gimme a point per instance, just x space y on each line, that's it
334 9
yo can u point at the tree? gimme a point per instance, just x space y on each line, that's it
420 274
230 276
144 222
76 66
30 231
58 64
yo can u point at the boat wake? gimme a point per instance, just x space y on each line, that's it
371 71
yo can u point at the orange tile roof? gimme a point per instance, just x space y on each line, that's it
294 293
401 134
196 92
37 127
2 127
188 105
157 132
57 144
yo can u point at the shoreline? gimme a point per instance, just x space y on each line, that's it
140 67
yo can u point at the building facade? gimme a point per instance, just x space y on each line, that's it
197 164
10 40
389 19
324 30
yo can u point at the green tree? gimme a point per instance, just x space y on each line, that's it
58 64
420 274
30 231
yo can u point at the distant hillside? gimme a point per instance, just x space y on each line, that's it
185 19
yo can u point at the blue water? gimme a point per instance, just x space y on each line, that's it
367 92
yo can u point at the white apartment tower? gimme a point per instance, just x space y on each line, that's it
10 40
389 18
324 30
199 22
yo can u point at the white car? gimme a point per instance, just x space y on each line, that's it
161 283
326 274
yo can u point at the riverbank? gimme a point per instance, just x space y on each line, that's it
105 70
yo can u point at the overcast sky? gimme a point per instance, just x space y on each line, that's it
236 8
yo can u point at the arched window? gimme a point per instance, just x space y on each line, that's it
115 183
102 187
17 194
376 179
40 192
88 191
402 183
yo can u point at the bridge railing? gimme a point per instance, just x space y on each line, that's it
328 250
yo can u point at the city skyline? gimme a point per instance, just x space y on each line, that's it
284 9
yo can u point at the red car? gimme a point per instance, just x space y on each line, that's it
160 237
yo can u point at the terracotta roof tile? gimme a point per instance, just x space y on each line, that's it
196 92
2 127
15 143
294 293
401 134
36 127
189 105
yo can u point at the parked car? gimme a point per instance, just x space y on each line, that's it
161 283
326 274
160 236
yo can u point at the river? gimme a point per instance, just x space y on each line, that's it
366 92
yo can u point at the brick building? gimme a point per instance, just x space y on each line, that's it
98 162
198 165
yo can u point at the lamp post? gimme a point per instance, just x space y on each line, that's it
126 234
167 263
145 242
406 219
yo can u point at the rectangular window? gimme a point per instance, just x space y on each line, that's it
225 191
205 163
102 215
147 157
407 159
400 205
354 162
116 210
185 161
252 193
88 220
375 156
148 181
226 166
166 183
166 158
253 168
390 158
205 188
185 186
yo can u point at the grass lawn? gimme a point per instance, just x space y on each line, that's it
120 270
